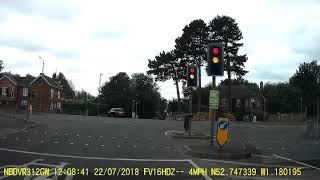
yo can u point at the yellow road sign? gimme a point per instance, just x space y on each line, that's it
222 131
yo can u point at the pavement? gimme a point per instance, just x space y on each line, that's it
141 146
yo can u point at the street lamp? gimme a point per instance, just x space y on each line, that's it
99 95
41 84
317 122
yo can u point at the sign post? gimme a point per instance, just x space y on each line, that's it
222 131
213 106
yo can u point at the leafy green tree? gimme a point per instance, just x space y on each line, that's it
240 81
83 96
191 48
166 66
305 79
117 92
225 30
282 97
146 93
67 86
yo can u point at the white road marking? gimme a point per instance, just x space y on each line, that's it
101 136
258 155
113 137
67 134
41 141
149 138
71 143
125 137
77 135
118 146
89 136
270 148
29 140
134 146
17 139
102 145
283 148
197 167
56 142
45 132
168 147
4 137
92 158
297 162
86 144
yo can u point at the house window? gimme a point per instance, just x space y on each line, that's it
4 91
58 94
58 105
24 103
12 93
224 101
25 92
52 91
252 103
51 106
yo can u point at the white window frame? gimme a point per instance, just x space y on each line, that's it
51 93
4 91
25 92
58 94
58 105
51 106
24 103
12 93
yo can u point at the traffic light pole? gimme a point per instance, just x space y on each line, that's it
213 112
190 111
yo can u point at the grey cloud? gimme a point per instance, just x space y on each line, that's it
54 10
21 43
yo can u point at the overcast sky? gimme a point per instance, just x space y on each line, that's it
85 38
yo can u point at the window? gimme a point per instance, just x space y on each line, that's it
58 94
12 92
52 91
4 91
25 92
24 103
58 105
51 106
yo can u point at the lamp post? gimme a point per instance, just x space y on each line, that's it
317 122
99 95
41 83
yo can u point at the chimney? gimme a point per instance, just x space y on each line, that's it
54 76
261 86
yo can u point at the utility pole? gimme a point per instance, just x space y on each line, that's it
99 95
317 122
87 104
41 83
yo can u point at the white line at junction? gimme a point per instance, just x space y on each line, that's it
310 166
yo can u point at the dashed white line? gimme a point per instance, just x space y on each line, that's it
134 146
41 141
86 144
125 137
71 143
283 148
29 140
102 145
67 134
77 135
56 142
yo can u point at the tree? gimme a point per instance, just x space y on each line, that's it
83 96
67 86
166 66
305 79
117 92
225 30
240 81
146 93
191 48
282 97
1 65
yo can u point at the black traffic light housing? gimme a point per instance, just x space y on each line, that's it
192 80
215 59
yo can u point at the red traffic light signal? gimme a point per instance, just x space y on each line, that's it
192 76
192 70
215 51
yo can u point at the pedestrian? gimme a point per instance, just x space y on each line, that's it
186 123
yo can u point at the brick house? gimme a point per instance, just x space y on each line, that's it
43 93
244 100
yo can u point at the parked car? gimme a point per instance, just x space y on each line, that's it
116 112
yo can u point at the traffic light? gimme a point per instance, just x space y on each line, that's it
215 59
192 76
